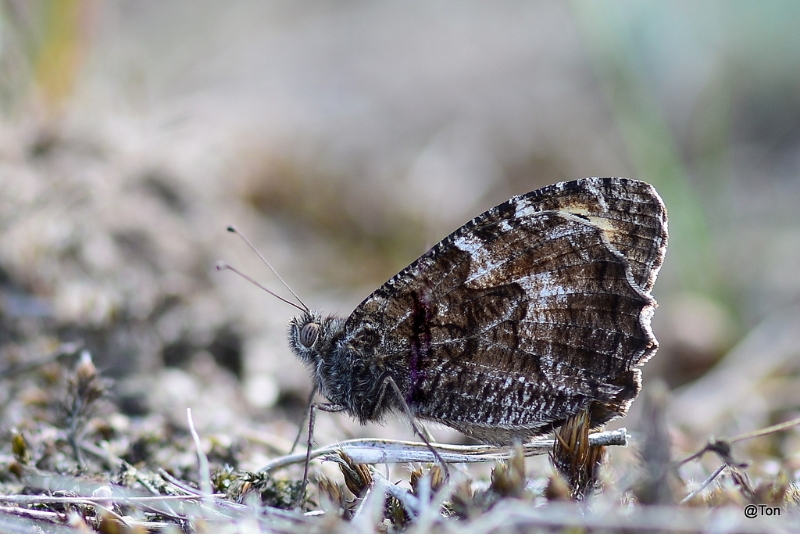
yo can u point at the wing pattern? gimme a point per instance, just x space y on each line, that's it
532 311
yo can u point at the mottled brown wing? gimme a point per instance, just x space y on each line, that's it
532 311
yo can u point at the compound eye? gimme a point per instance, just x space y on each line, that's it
308 334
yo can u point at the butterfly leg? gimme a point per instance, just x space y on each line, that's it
389 383
306 411
312 415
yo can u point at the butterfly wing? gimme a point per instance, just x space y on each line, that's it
532 311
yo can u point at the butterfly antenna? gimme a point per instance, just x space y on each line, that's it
236 231
222 266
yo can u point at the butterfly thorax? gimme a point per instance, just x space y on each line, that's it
342 375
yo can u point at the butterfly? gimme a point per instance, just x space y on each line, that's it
528 314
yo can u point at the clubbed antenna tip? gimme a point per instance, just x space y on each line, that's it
222 266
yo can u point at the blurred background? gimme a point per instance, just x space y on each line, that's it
345 138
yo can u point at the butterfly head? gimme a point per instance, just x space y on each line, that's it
312 336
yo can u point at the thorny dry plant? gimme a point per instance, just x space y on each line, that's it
69 470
